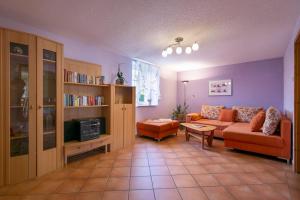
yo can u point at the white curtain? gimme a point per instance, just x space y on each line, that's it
146 79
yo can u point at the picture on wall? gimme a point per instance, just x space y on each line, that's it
220 88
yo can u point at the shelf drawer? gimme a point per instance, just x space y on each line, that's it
78 149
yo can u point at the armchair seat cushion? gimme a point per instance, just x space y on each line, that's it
241 132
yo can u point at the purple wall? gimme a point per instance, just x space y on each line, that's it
257 83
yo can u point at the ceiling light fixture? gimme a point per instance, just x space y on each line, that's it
195 46
178 49
169 50
188 50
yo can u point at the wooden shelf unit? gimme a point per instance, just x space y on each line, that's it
123 116
77 112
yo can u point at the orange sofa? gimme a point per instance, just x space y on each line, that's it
238 135
156 129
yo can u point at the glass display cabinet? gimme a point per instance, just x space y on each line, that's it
32 105
20 97
49 105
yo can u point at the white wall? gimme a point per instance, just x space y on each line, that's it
109 61
77 50
288 71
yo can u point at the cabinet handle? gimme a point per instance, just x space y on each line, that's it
40 107
30 107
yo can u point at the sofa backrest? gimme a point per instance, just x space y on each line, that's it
245 113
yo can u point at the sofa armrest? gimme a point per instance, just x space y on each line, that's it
285 134
192 117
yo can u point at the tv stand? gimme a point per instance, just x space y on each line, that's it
76 147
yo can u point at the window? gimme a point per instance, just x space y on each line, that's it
145 77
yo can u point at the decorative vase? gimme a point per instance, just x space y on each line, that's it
120 81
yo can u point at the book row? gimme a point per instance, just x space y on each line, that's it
76 77
76 100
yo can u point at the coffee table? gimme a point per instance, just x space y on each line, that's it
199 131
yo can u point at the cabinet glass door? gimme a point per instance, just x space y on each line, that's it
49 99
19 99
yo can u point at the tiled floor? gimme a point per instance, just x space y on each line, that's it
170 170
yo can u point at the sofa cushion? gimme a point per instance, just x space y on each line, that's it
242 132
219 124
210 112
245 114
227 115
194 116
258 121
272 120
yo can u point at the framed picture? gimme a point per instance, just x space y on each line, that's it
220 88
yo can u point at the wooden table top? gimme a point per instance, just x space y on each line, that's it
199 127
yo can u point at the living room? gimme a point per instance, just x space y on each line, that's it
149 100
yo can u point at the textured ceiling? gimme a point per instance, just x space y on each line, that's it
228 31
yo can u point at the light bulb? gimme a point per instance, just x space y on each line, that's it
188 50
164 53
169 50
195 46
178 50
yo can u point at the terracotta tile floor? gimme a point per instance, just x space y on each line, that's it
170 170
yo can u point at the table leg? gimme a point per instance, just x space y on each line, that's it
210 139
186 135
203 140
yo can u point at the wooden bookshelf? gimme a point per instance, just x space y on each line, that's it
90 111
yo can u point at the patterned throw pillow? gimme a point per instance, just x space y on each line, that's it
211 112
245 114
272 120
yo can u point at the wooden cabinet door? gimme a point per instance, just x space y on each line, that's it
20 104
118 127
128 125
49 106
